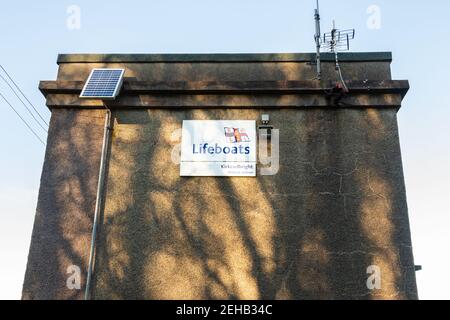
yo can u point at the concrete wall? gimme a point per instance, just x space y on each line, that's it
336 206
65 210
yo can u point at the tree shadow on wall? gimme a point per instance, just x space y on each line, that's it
63 223
309 232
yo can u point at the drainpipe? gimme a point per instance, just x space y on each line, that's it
99 201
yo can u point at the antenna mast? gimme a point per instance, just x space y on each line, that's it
334 41
317 38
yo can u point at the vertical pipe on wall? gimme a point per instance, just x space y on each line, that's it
99 201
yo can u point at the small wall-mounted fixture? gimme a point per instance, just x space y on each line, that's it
265 120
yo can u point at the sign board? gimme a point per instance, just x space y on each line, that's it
218 148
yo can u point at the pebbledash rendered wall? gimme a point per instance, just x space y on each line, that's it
336 206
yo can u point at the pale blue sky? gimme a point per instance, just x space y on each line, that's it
417 32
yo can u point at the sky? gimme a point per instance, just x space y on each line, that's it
32 33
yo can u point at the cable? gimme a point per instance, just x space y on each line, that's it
23 120
338 68
342 79
32 105
28 109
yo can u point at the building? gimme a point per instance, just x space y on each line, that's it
333 217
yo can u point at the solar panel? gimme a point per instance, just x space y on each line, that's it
103 84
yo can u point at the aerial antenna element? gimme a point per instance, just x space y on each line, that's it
334 41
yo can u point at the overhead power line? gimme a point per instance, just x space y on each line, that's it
23 120
26 107
18 88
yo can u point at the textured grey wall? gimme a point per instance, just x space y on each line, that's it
336 206
62 227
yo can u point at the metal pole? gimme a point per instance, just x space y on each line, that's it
317 38
99 201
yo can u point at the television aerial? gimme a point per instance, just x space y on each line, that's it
334 42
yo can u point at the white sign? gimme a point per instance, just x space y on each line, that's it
218 148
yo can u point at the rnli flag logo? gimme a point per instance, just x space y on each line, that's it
236 135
